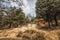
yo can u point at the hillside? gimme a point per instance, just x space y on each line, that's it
29 32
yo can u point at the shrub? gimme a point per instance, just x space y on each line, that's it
31 35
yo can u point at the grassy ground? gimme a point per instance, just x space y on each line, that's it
9 39
30 32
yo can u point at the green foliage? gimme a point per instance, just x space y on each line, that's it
50 6
14 18
20 16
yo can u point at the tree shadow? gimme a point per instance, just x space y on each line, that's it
52 27
49 29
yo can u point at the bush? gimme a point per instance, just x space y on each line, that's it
31 35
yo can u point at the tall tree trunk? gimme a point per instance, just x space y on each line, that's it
55 18
10 25
49 23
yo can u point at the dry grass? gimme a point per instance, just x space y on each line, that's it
9 39
31 35
29 32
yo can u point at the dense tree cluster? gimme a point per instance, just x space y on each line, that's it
13 18
48 10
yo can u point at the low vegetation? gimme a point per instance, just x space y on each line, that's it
31 35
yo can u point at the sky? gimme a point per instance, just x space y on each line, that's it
28 6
